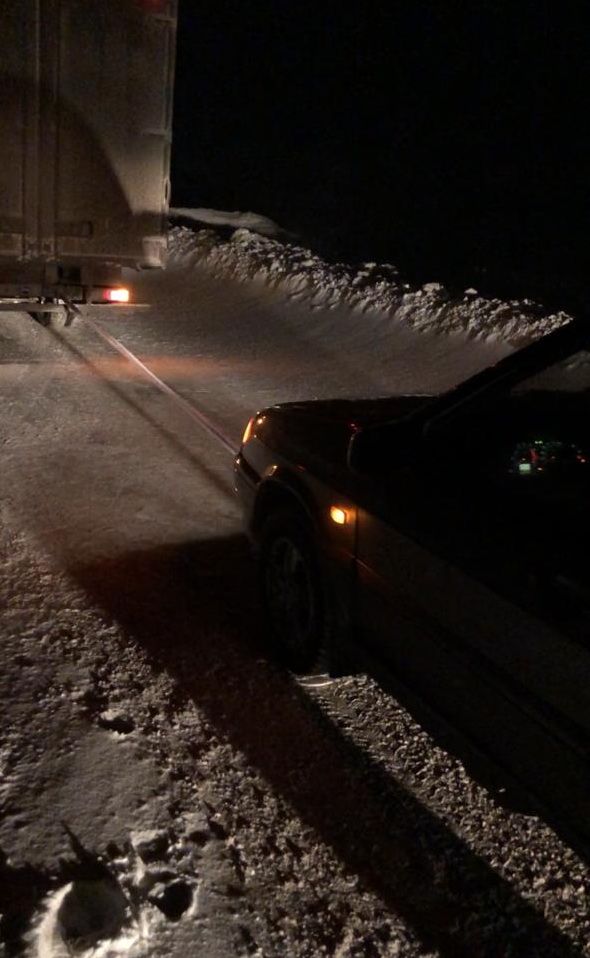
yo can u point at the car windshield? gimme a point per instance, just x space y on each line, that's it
571 375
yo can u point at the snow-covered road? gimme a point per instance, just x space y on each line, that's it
234 347
237 811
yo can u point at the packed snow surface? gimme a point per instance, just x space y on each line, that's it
165 788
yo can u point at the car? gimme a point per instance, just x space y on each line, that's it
445 537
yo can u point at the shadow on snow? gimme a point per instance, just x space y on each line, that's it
194 610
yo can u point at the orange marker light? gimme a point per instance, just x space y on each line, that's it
119 295
338 515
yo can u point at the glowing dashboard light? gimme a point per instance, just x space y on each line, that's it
338 515
118 295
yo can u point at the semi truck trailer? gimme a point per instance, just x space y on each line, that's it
86 90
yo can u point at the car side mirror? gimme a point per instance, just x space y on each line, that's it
377 450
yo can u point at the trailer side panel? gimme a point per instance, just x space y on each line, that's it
85 133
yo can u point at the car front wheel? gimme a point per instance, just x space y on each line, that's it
291 592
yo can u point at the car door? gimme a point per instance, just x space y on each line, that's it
473 578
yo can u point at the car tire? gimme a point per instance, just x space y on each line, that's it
293 595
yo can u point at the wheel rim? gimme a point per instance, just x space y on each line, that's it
290 594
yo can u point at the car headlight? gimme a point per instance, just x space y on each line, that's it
256 420
248 430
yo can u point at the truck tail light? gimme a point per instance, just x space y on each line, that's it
117 295
153 6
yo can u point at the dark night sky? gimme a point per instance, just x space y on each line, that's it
442 136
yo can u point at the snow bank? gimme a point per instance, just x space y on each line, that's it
236 220
302 274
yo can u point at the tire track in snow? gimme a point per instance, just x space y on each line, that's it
189 408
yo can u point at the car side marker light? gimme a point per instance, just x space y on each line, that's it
338 515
